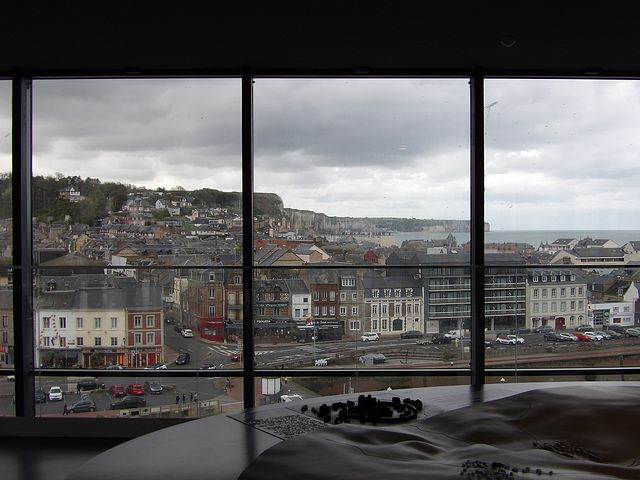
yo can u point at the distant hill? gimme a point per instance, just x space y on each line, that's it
99 198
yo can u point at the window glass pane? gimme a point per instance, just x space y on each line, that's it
131 180
131 172
560 163
368 172
550 317
364 163
6 240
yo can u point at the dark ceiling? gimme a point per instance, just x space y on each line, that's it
447 36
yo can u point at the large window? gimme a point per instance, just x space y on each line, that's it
355 261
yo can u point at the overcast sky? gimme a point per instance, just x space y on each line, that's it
559 154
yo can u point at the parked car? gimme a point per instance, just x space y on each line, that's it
135 389
543 329
86 385
567 337
581 337
156 366
439 339
584 328
606 335
369 337
152 387
82 406
552 337
115 367
615 327
41 396
613 334
520 331
117 390
374 357
411 334
208 366
183 359
55 394
632 332
178 327
594 336
187 333
128 402
509 340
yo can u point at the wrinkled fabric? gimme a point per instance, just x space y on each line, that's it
580 432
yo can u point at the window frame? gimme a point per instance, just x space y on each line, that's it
23 271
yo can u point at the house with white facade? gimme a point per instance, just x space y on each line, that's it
557 298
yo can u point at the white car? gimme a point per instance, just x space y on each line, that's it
367 337
509 339
594 336
187 333
55 394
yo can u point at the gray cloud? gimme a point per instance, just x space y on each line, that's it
560 154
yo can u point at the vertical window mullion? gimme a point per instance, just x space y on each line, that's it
22 242
247 239
477 229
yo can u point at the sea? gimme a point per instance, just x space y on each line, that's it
532 237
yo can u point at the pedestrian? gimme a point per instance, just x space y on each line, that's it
65 411
177 398
184 398
191 397
195 397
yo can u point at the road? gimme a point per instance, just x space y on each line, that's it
272 356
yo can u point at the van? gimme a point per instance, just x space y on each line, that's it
615 328
455 334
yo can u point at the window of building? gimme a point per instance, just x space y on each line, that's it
114 341
114 323
97 322
79 341
151 338
375 293
354 310
354 324
97 341
137 321
62 322
151 321
79 323
137 338
343 311
374 309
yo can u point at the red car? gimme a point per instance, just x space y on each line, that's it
117 390
581 336
135 389
236 357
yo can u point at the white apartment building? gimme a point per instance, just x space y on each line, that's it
557 298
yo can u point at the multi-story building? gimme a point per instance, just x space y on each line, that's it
144 323
557 298
272 316
205 303
324 323
392 304
351 303
233 298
